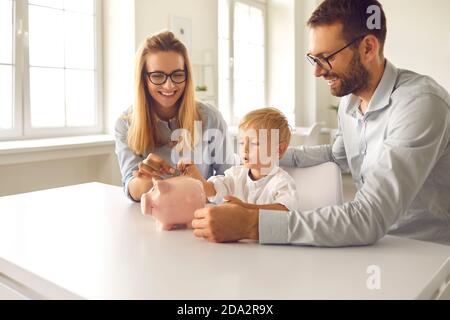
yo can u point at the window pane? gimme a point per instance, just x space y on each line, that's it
224 99
242 21
241 98
47 97
63 39
6 31
84 6
224 59
249 59
46 37
48 3
79 38
249 95
80 98
224 19
242 61
257 26
6 94
258 69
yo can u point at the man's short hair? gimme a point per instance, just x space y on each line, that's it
353 15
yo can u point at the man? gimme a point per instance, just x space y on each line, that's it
394 138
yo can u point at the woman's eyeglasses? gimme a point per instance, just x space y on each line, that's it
159 78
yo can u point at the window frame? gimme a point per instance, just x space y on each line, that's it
6 134
260 4
22 129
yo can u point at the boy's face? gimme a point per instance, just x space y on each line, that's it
255 147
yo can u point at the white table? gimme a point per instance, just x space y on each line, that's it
89 241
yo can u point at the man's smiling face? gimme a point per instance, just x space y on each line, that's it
348 74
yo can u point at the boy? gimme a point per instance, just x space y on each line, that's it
259 181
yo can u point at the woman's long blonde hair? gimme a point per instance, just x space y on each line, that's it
143 135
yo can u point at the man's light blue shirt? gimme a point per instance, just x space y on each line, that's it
398 153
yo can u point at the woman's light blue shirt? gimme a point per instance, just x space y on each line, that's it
216 151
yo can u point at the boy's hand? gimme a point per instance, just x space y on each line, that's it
189 169
237 201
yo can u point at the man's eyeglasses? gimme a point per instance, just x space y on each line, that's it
324 62
159 78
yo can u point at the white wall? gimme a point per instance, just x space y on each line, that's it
312 95
118 58
418 37
155 15
38 175
281 57
291 83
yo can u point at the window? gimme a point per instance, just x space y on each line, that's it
242 52
49 68
6 64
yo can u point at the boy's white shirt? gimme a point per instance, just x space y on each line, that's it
277 187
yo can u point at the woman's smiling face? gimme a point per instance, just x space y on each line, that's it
165 95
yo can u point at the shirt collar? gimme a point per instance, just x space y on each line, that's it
171 124
382 95
261 182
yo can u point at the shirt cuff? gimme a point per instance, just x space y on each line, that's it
273 227
289 202
220 190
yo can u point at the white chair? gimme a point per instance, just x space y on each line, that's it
318 186
307 136
313 137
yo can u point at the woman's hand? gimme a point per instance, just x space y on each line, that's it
154 166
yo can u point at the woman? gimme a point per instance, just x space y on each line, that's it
164 103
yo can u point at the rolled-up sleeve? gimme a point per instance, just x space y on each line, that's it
286 194
224 185
128 161
416 139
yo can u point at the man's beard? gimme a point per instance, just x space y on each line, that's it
355 81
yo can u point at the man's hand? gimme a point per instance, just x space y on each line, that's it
226 223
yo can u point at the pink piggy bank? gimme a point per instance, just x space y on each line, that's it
173 201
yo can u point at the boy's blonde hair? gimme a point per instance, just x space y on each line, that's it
268 118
